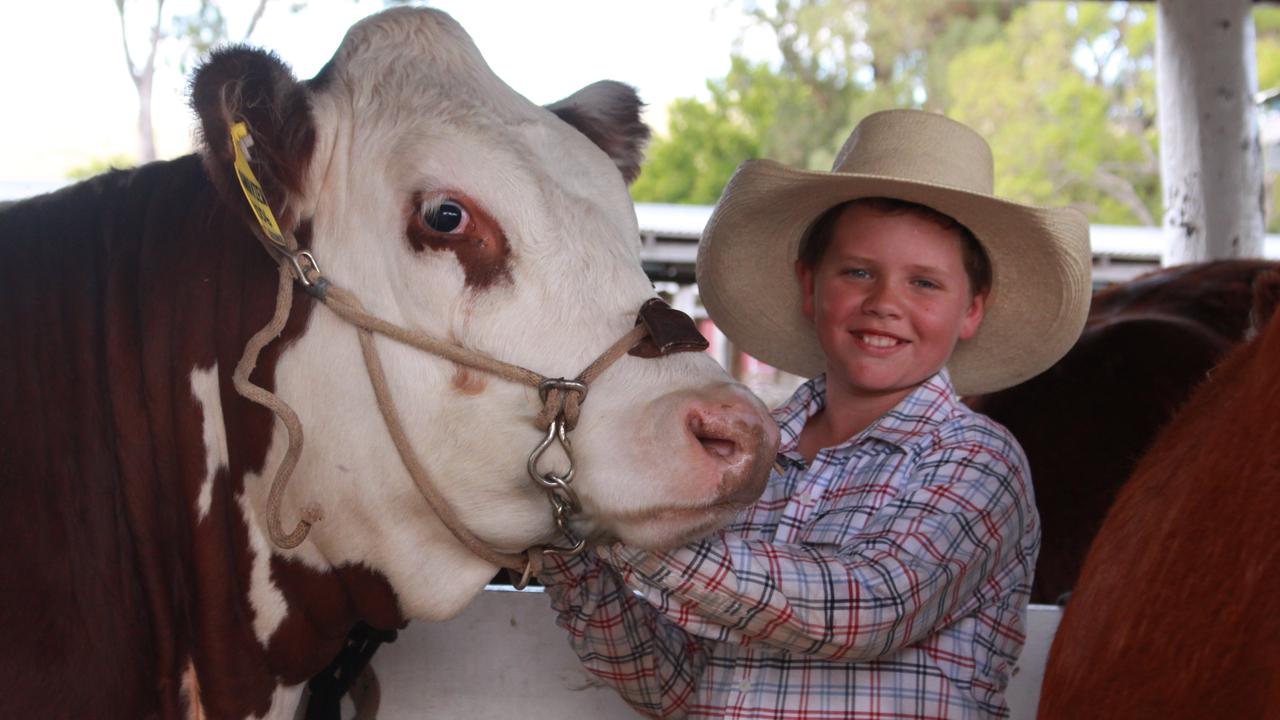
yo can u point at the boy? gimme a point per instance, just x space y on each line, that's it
886 568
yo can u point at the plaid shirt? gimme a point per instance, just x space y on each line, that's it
889 578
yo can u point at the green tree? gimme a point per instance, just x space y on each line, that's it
705 141
693 163
860 57
838 62
1063 91
818 45
1266 22
1066 97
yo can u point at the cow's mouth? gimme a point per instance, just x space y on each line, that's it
662 527
663 513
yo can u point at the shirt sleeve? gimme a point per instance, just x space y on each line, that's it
652 663
954 536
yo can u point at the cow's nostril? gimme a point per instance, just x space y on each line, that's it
715 447
714 443
738 441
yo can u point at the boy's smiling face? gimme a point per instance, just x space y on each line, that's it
889 299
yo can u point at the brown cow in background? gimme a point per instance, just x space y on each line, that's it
1085 422
1177 611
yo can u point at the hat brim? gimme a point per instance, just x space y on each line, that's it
1040 259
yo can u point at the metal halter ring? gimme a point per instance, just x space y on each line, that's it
564 385
299 272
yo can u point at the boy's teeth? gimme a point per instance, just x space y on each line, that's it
878 340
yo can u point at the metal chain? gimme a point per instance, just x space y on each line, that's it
563 498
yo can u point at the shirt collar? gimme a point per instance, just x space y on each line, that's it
918 413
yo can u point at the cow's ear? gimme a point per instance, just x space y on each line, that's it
1266 297
242 84
608 113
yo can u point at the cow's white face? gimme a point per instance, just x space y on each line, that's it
450 204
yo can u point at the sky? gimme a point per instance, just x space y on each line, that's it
69 99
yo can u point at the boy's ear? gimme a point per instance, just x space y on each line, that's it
242 84
973 315
804 276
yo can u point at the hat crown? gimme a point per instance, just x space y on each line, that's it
918 146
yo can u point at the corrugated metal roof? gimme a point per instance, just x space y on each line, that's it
665 228
666 220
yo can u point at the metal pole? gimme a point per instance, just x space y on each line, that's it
1210 156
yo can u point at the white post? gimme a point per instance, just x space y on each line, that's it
1210 156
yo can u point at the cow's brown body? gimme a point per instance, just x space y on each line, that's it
111 293
1176 613
1085 422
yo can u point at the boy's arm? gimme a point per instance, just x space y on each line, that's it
919 562
653 663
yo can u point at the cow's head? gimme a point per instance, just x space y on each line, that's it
450 204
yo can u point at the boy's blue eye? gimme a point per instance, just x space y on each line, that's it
926 283
857 272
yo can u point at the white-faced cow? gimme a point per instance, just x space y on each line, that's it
140 577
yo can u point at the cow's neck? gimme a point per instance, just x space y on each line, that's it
301 612
172 286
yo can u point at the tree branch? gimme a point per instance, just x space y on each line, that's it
1121 26
253 22
124 40
155 39
1122 191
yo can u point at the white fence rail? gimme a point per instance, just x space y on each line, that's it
504 658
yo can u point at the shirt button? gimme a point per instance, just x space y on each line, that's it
744 686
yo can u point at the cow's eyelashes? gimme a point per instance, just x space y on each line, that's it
446 216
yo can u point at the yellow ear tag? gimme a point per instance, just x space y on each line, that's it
241 141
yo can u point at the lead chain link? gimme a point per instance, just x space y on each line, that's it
563 498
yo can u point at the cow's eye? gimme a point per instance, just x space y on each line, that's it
446 217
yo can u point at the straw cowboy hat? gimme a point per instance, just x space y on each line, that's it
1040 257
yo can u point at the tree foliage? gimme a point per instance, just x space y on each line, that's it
1066 97
838 62
1266 23
1063 91
707 140
1267 26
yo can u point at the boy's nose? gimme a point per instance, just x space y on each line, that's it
882 301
